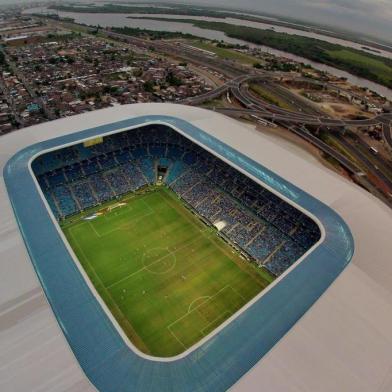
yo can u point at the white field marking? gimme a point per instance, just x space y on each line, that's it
118 211
175 337
225 323
100 281
93 271
126 208
132 195
94 230
84 256
184 215
238 293
147 204
205 296
121 227
198 306
160 259
222 315
156 261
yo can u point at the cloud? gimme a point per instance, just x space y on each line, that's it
366 17
378 8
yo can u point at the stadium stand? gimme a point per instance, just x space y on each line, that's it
267 229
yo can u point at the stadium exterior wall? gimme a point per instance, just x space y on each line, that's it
224 358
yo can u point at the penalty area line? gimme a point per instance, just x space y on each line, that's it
198 306
204 296
222 315
120 227
177 338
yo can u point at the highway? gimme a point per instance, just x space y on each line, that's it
346 163
274 113
293 120
387 131
296 124
306 135
376 180
319 121
216 92
239 76
386 183
222 66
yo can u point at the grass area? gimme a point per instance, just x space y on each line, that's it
324 52
167 278
151 34
214 103
225 53
334 143
269 97
356 62
362 60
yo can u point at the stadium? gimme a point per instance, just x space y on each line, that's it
164 247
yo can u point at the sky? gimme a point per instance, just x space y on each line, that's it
370 17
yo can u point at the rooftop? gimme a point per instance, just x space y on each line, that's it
343 338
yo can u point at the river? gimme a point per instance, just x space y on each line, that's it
121 20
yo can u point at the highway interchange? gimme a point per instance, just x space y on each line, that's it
296 122
364 171
273 112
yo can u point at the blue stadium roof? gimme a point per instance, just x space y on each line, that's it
219 362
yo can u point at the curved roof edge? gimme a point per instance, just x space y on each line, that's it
234 349
342 343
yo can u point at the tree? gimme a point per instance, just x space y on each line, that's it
138 72
148 86
69 59
3 61
173 80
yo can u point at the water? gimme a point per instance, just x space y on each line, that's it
280 29
121 20
240 22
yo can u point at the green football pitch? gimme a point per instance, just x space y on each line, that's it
168 278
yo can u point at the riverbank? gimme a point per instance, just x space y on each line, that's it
118 20
230 15
364 65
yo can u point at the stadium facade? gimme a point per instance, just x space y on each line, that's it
265 339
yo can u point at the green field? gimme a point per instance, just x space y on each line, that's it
356 62
270 97
167 278
377 66
224 53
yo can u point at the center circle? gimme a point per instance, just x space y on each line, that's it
159 260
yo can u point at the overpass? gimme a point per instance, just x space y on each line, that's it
240 75
296 121
275 113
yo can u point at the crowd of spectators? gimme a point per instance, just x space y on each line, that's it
268 229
